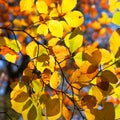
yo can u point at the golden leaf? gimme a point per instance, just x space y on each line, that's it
55 28
55 80
74 19
26 5
65 7
42 7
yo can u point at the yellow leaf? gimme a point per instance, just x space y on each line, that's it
115 43
79 59
74 18
66 27
53 41
42 7
97 93
10 58
106 56
66 7
54 13
55 80
35 50
26 5
55 28
42 29
74 40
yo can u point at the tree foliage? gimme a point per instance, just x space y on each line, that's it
49 67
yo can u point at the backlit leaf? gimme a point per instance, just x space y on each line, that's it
55 28
53 13
42 6
53 41
97 93
42 29
115 43
32 113
10 58
55 80
78 77
117 111
74 18
78 59
15 45
26 5
115 18
35 50
66 7
106 56
67 113
37 86
74 40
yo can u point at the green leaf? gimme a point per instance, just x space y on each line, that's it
22 97
32 113
15 45
117 112
116 18
74 40
78 58
37 86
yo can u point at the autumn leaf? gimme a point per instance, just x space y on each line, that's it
74 40
32 113
74 18
27 105
42 29
42 6
65 7
55 28
55 80
115 18
10 58
88 101
53 102
67 113
26 5
107 113
115 43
